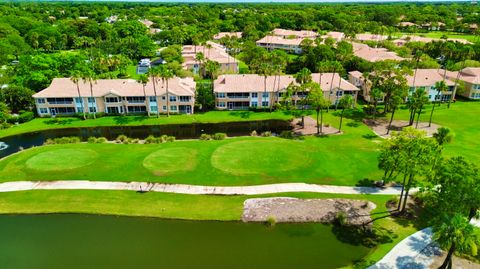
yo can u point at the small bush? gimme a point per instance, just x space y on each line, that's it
121 139
286 134
219 136
151 140
205 137
267 134
63 140
253 133
170 138
92 140
132 141
25 116
341 218
96 140
101 140
271 221
163 139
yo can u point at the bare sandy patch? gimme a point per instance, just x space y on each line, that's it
380 126
311 127
286 209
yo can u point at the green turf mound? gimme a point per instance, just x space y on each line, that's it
61 159
260 156
171 160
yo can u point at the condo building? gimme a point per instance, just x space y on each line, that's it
116 96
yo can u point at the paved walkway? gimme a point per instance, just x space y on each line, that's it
193 189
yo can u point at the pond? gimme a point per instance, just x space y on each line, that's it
92 241
12 144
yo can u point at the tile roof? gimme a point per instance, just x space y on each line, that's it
255 83
224 34
270 39
300 34
428 77
214 53
370 37
374 54
64 87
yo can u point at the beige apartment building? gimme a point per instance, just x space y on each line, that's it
116 96
470 77
241 92
421 78
212 51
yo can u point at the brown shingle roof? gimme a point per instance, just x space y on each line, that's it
64 87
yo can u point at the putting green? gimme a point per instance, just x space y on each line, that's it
171 160
261 156
61 159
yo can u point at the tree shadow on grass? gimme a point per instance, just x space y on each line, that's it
358 236
353 114
241 114
123 120
370 136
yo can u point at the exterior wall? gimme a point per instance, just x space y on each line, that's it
121 107
291 48
472 91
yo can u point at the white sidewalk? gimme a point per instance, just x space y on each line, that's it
193 189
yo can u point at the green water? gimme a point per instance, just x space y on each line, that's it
69 241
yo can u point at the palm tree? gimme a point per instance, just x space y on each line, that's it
318 101
200 58
212 68
455 233
166 73
441 88
143 79
153 72
420 100
345 102
303 77
467 52
443 135
89 76
75 77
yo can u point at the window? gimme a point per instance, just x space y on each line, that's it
65 110
136 99
184 98
91 99
80 109
153 109
339 93
92 109
41 101
60 101
173 98
43 110
173 108
265 95
153 99
254 104
238 95
164 108
136 109
111 100
221 104
163 98
78 100
264 103
254 95
221 95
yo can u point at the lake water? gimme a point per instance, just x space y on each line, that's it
180 131
90 241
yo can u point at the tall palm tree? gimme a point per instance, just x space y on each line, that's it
441 88
303 77
200 58
153 73
466 53
318 102
88 76
143 79
75 77
166 73
345 102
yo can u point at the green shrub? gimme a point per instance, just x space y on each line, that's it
92 140
205 137
219 136
96 140
101 140
63 140
132 141
287 134
271 221
151 140
341 218
267 134
25 116
163 138
170 138
253 133
121 139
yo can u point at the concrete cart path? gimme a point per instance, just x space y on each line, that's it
193 189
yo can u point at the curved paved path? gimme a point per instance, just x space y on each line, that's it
192 189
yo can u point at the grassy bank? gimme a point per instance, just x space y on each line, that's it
336 160
438 34
193 207
207 117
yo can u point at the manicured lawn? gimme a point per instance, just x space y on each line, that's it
208 117
178 206
239 161
463 119
439 34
